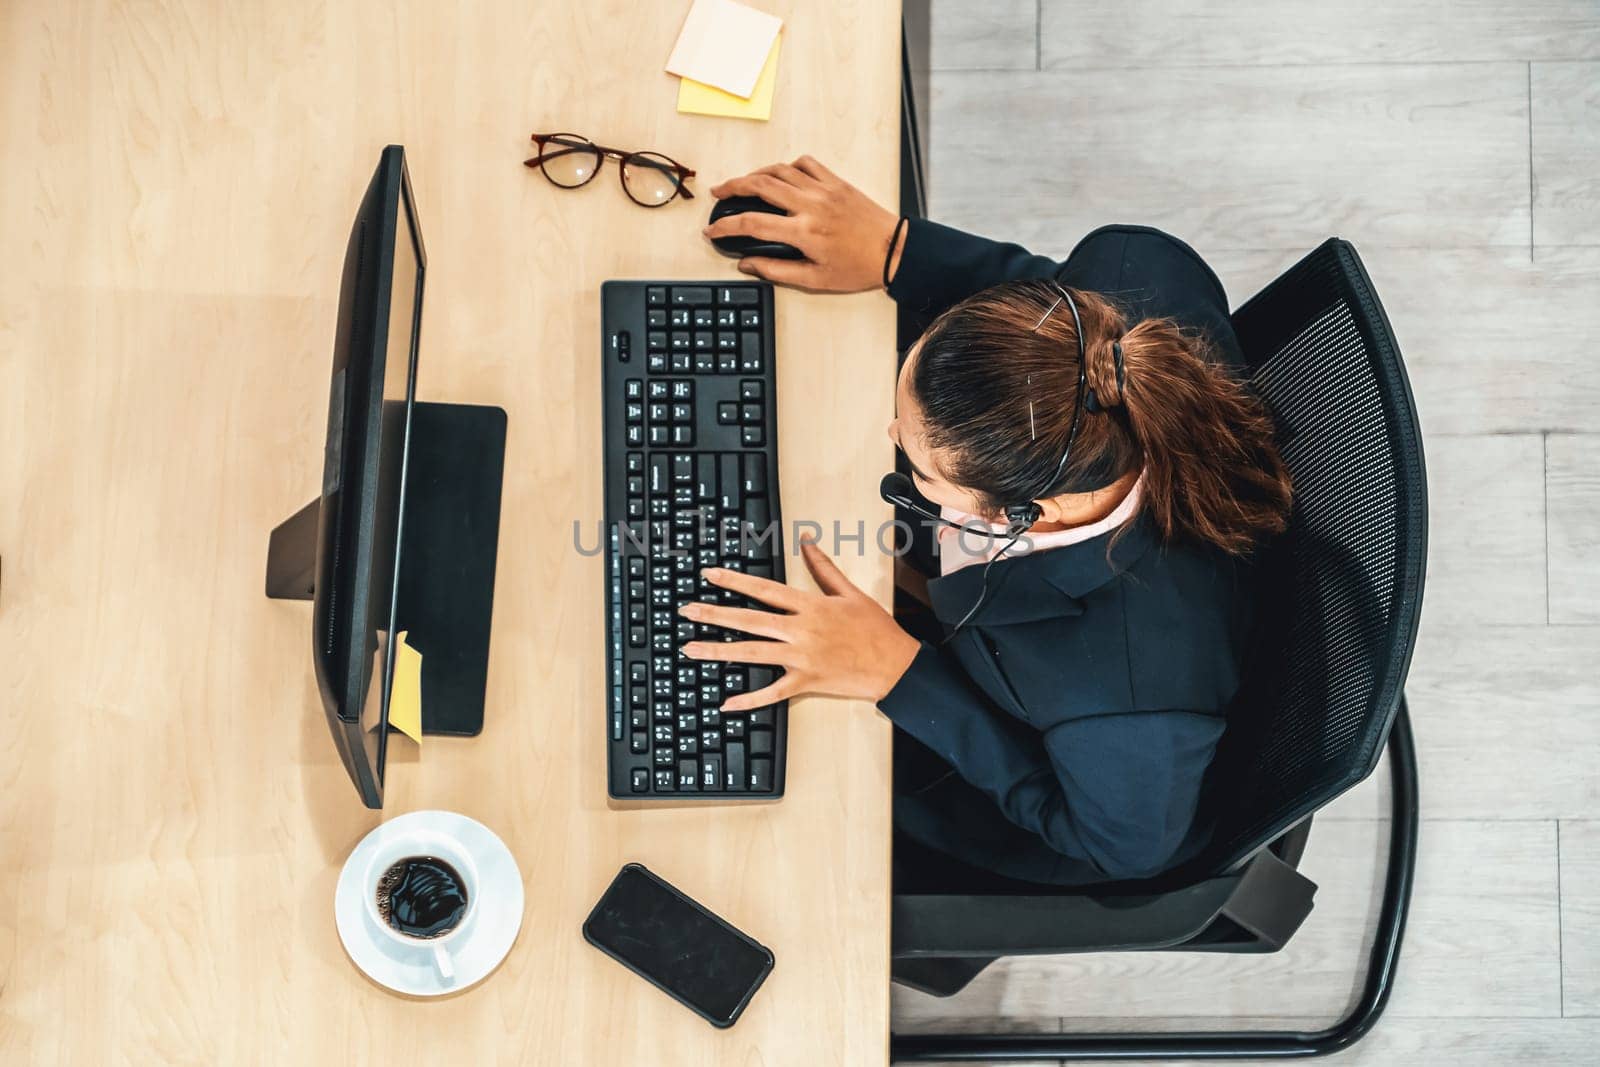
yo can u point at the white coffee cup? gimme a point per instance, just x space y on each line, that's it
423 843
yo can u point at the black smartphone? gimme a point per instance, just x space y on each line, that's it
676 944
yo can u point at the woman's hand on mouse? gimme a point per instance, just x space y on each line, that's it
836 642
842 232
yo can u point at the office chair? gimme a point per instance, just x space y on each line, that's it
1323 694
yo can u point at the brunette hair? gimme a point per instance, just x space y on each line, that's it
997 388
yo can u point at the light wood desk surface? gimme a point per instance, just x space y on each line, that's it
177 186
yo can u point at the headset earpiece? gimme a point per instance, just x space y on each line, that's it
1021 517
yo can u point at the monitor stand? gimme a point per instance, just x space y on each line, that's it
450 536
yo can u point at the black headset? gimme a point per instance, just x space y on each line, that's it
898 490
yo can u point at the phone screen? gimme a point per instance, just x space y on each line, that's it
657 932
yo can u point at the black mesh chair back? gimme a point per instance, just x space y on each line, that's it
1327 673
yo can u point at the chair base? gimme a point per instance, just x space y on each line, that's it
1235 1044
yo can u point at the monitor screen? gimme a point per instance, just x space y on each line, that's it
399 378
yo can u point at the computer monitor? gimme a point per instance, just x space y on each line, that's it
404 536
350 538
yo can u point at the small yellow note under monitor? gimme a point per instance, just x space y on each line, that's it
405 695
700 99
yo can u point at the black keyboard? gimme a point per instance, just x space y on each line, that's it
691 480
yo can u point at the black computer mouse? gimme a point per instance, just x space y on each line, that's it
739 247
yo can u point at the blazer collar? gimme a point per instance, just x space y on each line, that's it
1041 585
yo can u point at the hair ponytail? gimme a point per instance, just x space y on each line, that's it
996 379
1211 466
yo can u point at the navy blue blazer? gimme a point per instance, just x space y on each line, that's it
1083 704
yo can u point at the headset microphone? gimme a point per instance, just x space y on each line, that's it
897 489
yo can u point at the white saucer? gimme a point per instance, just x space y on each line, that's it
477 950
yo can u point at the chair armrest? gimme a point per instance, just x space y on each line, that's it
1267 897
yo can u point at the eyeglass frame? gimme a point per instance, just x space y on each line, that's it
682 172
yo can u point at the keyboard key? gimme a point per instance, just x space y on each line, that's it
655 295
733 778
640 743
711 773
727 342
727 317
760 775
641 780
710 740
729 478
664 756
655 317
738 295
750 389
761 742
728 413
705 476
754 468
749 436
689 776
733 727
664 782
749 317
750 353
727 362
683 390
685 296
679 317
680 362
656 362
750 413
702 316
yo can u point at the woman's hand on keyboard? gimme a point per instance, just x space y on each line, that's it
836 642
842 232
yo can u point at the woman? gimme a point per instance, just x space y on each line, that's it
1075 691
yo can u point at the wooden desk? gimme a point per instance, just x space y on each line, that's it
178 184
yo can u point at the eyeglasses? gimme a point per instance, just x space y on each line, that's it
649 178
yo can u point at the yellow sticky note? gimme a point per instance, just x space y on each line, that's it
405 695
700 99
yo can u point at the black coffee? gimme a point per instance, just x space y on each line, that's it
422 896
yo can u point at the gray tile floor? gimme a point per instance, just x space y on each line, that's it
1458 146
